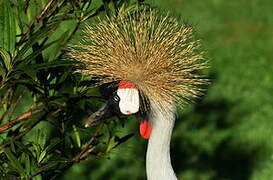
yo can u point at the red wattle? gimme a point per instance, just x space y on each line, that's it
145 129
126 85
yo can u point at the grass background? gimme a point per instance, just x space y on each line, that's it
228 134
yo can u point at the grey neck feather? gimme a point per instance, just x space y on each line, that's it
158 162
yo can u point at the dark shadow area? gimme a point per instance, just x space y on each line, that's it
224 160
233 163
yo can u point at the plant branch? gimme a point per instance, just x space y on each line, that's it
21 118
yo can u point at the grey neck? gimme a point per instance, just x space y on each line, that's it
158 162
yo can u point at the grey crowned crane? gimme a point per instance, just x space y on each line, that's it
154 62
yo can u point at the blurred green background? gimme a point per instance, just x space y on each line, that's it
228 133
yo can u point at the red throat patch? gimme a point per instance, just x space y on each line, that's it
145 129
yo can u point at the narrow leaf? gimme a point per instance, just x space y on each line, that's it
77 136
33 55
53 143
42 155
27 163
6 58
7 26
38 35
54 64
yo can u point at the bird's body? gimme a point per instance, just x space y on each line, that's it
153 58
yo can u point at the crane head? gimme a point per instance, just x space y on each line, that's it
129 104
124 100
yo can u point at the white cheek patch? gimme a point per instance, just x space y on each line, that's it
129 100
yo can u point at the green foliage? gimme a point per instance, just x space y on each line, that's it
43 101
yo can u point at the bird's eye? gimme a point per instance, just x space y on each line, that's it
116 98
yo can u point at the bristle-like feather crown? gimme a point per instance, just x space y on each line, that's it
155 53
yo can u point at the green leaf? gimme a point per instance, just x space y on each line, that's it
37 177
2 71
112 144
38 35
12 147
28 69
34 119
54 142
7 26
61 41
6 59
14 161
37 149
54 64
64 76
42 155
77 136
92 13
33 55
27 163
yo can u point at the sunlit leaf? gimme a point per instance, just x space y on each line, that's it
53 143
77 136
112 143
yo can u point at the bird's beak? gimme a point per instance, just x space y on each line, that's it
104 112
